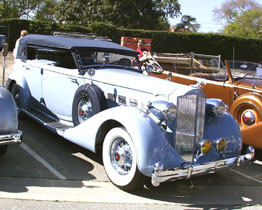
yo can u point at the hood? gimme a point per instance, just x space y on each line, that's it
144 83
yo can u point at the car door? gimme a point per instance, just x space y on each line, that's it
33 74
59 87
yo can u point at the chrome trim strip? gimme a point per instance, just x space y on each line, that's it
11 138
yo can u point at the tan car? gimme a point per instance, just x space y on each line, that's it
238 84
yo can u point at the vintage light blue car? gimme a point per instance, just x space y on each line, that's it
93 93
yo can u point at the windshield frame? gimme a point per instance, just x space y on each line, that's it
95 56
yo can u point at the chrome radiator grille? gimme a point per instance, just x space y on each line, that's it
190 124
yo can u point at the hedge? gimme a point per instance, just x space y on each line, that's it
245 49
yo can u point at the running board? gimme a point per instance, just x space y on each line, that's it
48 122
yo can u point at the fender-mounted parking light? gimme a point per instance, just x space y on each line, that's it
220 144
205 146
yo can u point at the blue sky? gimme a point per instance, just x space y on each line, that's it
202 10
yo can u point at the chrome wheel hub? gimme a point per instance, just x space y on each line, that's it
84 108
121 156
248 117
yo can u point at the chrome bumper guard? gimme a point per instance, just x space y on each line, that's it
12 138
160 175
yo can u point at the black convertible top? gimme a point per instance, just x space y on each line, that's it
69 43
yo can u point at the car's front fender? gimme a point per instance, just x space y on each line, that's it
252 135
150 141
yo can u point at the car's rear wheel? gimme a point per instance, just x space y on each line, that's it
120 160
3 149
88 101
15 92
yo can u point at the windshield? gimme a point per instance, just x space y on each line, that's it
240 69
99 59
192 64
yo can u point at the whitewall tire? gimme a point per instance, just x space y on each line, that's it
120 160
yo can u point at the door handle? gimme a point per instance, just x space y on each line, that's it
74 80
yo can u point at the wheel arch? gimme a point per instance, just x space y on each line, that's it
23 86
104 129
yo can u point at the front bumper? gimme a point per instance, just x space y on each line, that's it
161 175
12 138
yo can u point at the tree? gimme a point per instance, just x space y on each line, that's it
7 10
230 10
79 11
46 10
247 25
18 8
187 23
146 14
242 18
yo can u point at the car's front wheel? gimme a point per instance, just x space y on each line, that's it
120 160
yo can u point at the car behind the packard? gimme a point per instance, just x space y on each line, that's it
93 93
9 133
238 85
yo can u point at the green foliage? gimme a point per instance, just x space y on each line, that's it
46 10
79 11
247 25
146 14
242 17
18 8
103 29
246 49
8 9
188 23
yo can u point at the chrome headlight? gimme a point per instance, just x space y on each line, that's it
216 107
163 110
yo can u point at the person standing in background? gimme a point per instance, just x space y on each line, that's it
22 34
140 47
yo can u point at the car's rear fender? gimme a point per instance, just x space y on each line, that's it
19 79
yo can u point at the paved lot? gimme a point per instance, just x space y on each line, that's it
46 167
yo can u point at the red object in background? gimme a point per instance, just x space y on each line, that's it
131 42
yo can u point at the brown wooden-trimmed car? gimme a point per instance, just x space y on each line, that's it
238 84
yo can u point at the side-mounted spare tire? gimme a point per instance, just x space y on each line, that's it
88 101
